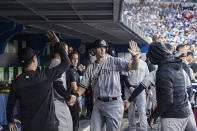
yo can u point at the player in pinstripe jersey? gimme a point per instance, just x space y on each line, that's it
104 77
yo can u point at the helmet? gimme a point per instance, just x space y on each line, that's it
100 43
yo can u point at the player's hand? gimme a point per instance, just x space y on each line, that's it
132 89
52 37
133 50
72 100
126 104
150 93
81 67
12 126
150 121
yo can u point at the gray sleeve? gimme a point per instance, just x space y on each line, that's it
149 79
121 64
192 74
85 81
54 63
187 80
146 69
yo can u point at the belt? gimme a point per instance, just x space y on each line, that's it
107 99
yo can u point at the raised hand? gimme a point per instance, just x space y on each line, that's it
133 50
52 37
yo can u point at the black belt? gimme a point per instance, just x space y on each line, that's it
107 99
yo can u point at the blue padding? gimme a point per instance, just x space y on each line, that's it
5 37
3 104
6 26
143 47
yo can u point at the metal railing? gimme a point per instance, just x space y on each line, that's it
176 2
131 1
131 25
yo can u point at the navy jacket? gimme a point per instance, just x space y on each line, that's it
34 90
172 100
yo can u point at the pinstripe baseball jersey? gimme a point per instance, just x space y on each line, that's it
105 78
136 76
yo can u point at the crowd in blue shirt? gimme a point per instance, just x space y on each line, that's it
174 23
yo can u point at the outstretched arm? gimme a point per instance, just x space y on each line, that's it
54 73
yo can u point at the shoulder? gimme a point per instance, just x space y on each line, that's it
194 64
163 71
119 60
143 63
72 70
152 74
91 66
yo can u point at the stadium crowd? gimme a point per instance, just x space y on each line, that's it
174 23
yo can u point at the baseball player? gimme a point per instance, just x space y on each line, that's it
134 79
104 77
151 80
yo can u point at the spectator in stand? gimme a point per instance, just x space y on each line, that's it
154 37
171 20
181 51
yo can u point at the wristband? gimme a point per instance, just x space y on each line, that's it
135 55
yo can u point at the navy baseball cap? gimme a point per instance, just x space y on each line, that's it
26 54
190 53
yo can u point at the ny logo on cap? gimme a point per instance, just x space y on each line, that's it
103 42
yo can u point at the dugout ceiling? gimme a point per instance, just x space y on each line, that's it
74 19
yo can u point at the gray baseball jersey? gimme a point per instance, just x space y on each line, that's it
150 79
105 77
136 76
55 62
